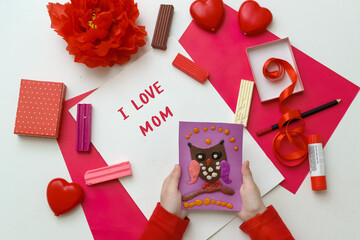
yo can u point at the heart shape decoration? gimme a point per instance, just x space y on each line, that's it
208 14
63 196
253 19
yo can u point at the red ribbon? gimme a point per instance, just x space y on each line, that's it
293 135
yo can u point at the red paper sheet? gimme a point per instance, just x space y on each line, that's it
223 55
110 211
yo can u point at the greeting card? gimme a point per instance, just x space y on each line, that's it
210 155
39 108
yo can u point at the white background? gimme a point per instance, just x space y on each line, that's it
325 30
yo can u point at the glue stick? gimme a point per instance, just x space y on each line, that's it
317 164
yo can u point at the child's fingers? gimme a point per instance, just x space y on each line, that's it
241 215
175 176
246 173
184 213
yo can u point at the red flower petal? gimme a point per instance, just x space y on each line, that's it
107 39
103 20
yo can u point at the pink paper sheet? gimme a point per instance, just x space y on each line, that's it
223 55
110 211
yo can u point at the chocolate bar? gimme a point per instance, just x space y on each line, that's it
83 127
190 68
162 26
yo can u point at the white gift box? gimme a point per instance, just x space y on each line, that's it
258 55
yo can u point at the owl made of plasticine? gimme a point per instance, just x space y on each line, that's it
210 164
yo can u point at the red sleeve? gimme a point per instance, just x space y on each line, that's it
267 225
163 225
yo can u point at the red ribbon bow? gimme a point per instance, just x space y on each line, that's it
293 135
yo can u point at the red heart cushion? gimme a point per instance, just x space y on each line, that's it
253 19
207 14
63 196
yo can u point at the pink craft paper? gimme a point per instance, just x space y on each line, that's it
223 54
234 158
110 211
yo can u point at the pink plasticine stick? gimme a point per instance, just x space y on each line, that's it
107 173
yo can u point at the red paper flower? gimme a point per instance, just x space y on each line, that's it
98 32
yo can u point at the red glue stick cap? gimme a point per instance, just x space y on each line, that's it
314 139
318 183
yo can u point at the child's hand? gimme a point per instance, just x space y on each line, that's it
170 198
252 203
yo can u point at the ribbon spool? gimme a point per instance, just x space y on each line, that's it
293 135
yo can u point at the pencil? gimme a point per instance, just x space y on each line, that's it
303 115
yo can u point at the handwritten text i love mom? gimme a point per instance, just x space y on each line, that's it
144 98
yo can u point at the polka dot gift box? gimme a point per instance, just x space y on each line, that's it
39 108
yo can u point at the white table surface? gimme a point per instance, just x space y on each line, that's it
325 30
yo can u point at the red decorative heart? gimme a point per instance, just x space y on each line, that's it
253 19
63 196
207 14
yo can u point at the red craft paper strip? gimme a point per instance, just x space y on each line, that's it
110 211
227 64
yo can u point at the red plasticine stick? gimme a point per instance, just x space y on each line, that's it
83 127
190 68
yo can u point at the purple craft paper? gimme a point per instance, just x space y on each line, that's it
234 159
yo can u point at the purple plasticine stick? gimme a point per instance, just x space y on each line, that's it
83 127
225 171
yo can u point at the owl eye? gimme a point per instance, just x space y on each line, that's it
216 155
200 156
